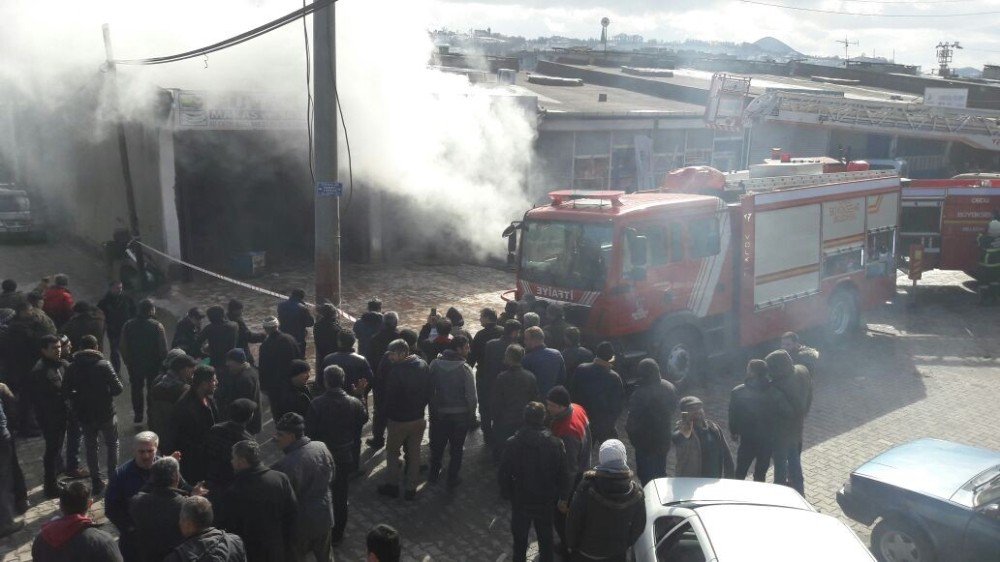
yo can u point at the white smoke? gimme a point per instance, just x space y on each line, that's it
428 136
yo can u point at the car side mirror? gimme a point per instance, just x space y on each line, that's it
992 510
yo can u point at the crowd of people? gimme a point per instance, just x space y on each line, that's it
548 408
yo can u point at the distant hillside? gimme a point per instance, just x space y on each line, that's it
969 72
775 46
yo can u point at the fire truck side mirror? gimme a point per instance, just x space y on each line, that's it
638 247
510 233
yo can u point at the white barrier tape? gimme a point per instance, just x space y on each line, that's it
230 280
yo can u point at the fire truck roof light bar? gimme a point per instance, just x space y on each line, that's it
560 197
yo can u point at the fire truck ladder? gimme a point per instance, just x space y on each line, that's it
762 185
975 127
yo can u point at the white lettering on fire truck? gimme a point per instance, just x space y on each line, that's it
553 293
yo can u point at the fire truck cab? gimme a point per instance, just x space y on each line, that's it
685 276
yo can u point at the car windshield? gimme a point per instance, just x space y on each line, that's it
13 203
566 254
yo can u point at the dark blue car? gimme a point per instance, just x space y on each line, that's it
933 500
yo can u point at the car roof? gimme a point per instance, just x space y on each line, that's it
752 532
700 491
931 467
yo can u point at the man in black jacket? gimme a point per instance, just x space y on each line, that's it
295 319
91 386
357 371
260 507
379 342
49 399
325 332
366 326
298 393
202 539
336 418
648 423
143 347
219 444
754 407
156 510
599 389
276 355
574 354
406 396
240 380
118 308
491 331
221 335
166 392
190 421
514 389
186 333
533 478
488 368
234 313
608 513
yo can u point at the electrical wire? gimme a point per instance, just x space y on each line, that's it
908 1
232 41
840 13
309 99
347 141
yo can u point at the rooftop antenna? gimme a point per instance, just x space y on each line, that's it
605 22
847 44
945 54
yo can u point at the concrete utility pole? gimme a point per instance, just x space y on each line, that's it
133 216
326 206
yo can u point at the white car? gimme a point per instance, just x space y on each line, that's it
709 520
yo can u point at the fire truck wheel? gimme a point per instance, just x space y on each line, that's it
843 316
681 355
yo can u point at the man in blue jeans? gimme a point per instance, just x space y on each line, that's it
91 386
794 384
453 408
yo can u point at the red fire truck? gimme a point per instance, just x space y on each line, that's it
945 217
686 276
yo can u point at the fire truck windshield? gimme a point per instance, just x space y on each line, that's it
566 254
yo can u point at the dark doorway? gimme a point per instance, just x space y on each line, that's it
243 191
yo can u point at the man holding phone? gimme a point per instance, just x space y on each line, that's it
702 449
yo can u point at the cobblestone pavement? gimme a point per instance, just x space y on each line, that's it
927 370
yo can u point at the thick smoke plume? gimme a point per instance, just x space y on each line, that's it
452 151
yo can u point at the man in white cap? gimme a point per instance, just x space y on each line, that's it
277 352
608 512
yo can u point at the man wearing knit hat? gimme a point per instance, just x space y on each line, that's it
533 478
702 449
276 354
608 512
297 393
310 468
239 380
569 423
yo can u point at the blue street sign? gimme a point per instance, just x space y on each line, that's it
329 189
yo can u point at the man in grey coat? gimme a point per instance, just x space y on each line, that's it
309 467
453 408
795 386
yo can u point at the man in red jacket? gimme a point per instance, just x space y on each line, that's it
57 301
568 422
